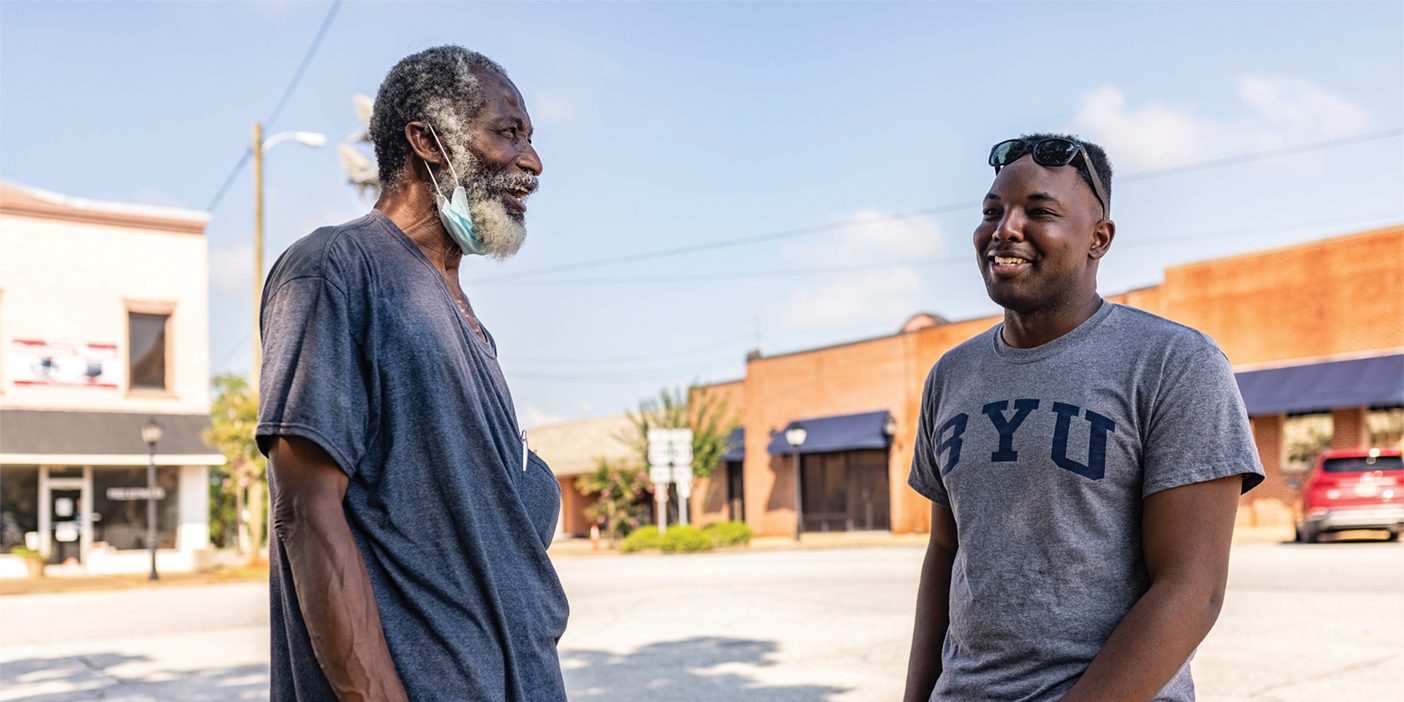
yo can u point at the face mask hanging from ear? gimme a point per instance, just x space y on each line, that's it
454 214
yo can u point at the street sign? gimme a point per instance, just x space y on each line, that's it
129 494
682 447
660 475
660 451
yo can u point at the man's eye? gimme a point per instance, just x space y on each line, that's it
991 212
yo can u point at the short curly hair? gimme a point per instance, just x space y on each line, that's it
1099 160
439 86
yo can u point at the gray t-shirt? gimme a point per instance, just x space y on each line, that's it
1044 456
366 355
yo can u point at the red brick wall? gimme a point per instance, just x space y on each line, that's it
573 507
1350 430
1332 297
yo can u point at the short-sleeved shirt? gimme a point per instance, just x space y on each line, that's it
1044 456
366 354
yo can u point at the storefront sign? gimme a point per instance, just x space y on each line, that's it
63 363
135 493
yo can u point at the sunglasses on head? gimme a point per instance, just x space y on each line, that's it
1049 152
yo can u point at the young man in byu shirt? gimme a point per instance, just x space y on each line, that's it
1084 462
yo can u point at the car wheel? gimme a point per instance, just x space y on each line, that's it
1297 536
1393 536
1311 535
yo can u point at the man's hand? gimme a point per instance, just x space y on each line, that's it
333 587
1186 532
933 606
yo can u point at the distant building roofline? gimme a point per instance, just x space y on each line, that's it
28 201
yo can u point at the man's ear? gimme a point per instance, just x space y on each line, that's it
1102 236
423 144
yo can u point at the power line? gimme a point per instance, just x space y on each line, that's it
282 102
934 210
1383 218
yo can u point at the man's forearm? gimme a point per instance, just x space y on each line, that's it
1152 641
932 619
338 605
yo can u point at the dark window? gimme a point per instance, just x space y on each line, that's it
1363 464
120 521
19 505
147 340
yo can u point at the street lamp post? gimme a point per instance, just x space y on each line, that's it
309 139
795 436
151 434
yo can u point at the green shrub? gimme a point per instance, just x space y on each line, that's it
645 538
686 539
729 534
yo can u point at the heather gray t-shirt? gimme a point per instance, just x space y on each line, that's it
1044 456
366 354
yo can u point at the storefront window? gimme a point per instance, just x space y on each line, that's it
19 505
119 507
1386 426
1306 436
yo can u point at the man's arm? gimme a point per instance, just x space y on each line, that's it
1187 532
333 587
933 613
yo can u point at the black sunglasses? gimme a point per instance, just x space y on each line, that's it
1050 152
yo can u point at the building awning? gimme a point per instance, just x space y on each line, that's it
736 446
849 432
46 437
1358 382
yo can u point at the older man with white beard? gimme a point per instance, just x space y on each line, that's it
410 520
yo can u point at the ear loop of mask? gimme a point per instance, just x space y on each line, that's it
447 160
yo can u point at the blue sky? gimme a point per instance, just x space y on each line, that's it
670 125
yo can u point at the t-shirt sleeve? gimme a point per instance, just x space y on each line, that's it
314 378
925 477
1198 429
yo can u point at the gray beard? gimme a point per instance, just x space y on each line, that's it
500 232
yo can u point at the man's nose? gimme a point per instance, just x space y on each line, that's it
1011 226
529 160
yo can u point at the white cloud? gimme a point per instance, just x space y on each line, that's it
1299 104
832 300
1275 111
530 416
872 236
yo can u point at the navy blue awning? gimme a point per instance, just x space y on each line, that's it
736 446
1322 386
849 432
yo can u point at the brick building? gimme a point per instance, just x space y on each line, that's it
1314 331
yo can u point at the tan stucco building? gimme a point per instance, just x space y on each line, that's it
104 325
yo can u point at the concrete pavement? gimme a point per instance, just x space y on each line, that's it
1301 622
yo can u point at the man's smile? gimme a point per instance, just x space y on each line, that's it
1008 265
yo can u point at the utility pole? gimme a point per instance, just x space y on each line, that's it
257 254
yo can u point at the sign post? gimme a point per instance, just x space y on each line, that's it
670 460
682 470
660 454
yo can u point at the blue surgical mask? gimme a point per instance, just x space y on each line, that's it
454 213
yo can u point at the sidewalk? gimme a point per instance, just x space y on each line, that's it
565 547
127 581
579 546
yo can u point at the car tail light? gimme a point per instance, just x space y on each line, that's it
1333 494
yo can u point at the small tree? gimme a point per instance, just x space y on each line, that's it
711 423
233 417
619 487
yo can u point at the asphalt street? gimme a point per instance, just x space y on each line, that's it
1317 622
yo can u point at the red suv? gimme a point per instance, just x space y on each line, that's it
1352 489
